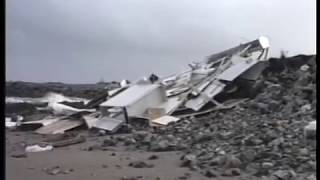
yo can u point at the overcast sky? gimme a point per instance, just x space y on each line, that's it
81 41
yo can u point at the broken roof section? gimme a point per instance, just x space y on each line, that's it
131 95
260 44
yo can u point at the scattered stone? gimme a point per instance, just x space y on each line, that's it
232 162
231 172
19 154
310 130
129 141
210 173
282 174
267 165
109 142
105 166
188 160
55 170
311 177
153 157
140 164
163 145
132 178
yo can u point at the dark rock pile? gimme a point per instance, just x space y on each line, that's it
262 137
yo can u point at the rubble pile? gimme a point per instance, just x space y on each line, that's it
235 114
263 136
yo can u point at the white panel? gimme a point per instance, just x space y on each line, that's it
235 70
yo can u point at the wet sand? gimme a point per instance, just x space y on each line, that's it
94 165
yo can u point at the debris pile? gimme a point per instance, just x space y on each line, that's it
269 135
235 113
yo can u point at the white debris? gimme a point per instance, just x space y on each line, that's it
124 83
310 130
9 123
306 108
50 97
165 120
304 67
37 148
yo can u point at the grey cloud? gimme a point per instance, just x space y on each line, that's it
81 41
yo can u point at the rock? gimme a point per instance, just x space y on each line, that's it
217 161
210 173
304 67
304 152
264 108
282 174
231 172
153 157
276 142
188 160
163 145
19 154
267 165
232 162
129 141
202 137
182 177
310 130
247 156
311 177
305 108
132 178
105 166
102 133
140 135
67 171
57 170
109 142
140 164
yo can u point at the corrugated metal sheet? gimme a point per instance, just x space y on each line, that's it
235 70
130 95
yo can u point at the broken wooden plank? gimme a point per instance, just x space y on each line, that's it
59 127
165 120
68 142
216 108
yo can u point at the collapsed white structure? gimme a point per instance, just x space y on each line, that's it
191 89
158 100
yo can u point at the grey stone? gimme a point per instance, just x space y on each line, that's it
163 145
109 142
311 177
232 162
129 141
282 174
140 164
153 157
188 160
231 172
267 165
210 173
